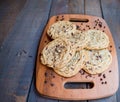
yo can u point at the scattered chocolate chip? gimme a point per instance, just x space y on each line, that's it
84 29
105 82
104 76
110 51
101 79
53 76
52 84
82 72
81 23
110 46
100 24
103 31
46 74
104 27
94 27
102 83
45 81
45 41
110 71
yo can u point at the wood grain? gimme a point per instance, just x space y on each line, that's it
111 13
18 51
9 9
53 87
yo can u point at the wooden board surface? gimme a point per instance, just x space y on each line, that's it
52 85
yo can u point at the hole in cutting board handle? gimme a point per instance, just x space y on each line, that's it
79 85
78 20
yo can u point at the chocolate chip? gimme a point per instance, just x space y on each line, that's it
103 31
46 74
45 81
81 23
63 26
94 27
100 24
110 46
72 68
52 84
101 79
105 82
104 27
53 76
82 72
72 34
45 41
77 26
102 83
110 51
110 71
70 54
104 76
57 17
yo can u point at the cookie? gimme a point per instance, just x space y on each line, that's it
79 39
98 40
61 29
57 53
73 66
97 61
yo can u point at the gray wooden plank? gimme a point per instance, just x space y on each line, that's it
9 9
67 7
18 51
111 13
93 7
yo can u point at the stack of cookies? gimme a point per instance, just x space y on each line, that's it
72 50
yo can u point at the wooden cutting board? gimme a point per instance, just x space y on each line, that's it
50 84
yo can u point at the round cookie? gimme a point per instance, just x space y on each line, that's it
97 61
57 53
61 29
79 39
98 40
73 66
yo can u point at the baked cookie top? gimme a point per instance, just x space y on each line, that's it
79 39
57 53
97 61
73 66
98 40
61 29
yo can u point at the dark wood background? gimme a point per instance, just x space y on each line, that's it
21 25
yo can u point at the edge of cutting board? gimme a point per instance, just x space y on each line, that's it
49 84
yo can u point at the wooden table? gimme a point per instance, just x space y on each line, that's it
21 25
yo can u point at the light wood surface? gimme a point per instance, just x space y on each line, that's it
50 84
